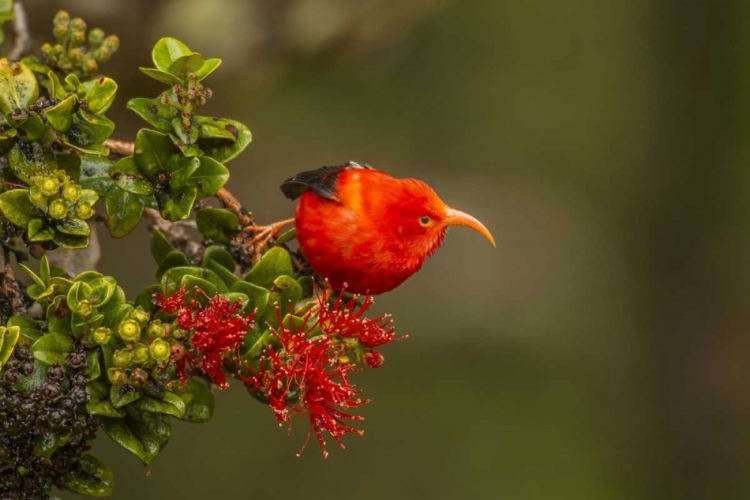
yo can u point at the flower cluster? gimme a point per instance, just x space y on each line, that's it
304 371
215 330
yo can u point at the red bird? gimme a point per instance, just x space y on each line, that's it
363 228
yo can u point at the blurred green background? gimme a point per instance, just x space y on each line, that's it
600 352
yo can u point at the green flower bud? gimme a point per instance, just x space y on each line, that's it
78 24
160 350
61 17
71 192
46 49
129 330
61 176
75 54
60 31
179 333
48 185
140 353
83 211
140 315
122 358
140 377
155 330
101 335
89 64
77 38
37 198
167 329
96 37
103 54
112 42
85 308
58 209
117 376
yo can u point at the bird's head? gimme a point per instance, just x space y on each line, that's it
423 218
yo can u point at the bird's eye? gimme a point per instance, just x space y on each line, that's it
425 220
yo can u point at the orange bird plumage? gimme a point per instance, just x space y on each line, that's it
363 228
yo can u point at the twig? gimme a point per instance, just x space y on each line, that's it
233 205
120 148
22 43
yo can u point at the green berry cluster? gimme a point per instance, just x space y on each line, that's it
60 197
72 52
146 348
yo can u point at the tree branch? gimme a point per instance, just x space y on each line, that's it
22 42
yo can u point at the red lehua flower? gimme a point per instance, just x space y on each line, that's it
171 304
346 320
217 328
306 378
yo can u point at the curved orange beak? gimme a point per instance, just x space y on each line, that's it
458 218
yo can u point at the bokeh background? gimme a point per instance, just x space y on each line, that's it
601 351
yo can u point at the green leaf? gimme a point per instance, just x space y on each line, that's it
60 116
93 368
79 292
29 159
145 298
102 290
159 245
276 262
166 51
210 177
186 64
58 317
220 255
70 241
199 402
143 435
32 129
128 177
18 86
31 330
209 66
91 477
95 173
122 395
152 152
75 227
100 93
218 224
55 87
71 165
215 128
87 133
16 206
257 296
176 205
99 403
185 168
192 282
153 111
175 277
287 236
224 150
124 211
52 348
170 405
8 338
172 260
227 276
161 76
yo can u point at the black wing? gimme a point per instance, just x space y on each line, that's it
322 181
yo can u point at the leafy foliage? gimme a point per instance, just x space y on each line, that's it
211 315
